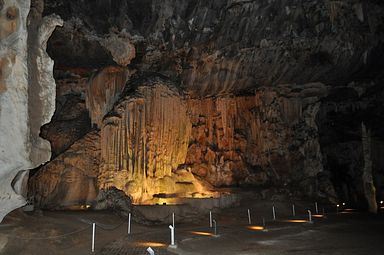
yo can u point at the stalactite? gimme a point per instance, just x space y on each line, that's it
157 131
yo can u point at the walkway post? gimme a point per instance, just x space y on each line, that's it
293 210
274 212
173 220
215 225
93 236
316 208
129 223
173 245
210 219
249 217
150 251
310 216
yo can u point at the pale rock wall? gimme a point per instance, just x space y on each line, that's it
18 139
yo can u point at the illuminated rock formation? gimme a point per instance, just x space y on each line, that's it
233 123
26 97
270 137
69 181
144 140
104 90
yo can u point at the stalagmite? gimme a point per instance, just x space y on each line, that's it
367 178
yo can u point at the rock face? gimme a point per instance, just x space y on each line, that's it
69 181
228 45
191 95
25 83
350 123
155 138
71 120
267 138
144 140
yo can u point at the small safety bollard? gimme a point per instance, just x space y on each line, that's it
337 208
129 223
264 226
293 210
316 208
310 216
215 228
249 217
173 220
210 219
273 212
150 251
324 216
172 245
93 236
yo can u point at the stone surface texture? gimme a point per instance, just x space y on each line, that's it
69 181
26 82
191 95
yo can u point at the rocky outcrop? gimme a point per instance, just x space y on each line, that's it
189 95
264 139
71 120
69 181
103 90
217 47
25 82
155 141
350 152
144 140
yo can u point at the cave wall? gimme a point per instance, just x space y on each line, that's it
193 95
157 141
350 121
26 98
216 47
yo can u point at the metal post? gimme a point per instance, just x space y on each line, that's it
93 236
150 251
215 226
173 220
274 212
264 226
249 217
129 223
316 208
172 236
210 219
309 216
293 210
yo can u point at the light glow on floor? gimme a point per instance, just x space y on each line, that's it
202 233
296 221
258 228
150 244
318 216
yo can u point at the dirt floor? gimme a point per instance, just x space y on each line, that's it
346 232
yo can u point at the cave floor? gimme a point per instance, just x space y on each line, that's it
62 233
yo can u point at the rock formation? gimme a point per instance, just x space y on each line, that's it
194 95
26 97
69 181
